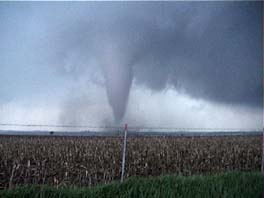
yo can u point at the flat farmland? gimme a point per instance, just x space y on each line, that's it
88 161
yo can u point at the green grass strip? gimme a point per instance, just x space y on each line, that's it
227 185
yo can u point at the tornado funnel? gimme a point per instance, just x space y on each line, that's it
118 80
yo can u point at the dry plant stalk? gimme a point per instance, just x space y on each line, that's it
87 161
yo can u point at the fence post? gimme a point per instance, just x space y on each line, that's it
124 154
262 164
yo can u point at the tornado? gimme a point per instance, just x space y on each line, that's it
118 79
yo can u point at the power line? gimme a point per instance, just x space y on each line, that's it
59 126
145 128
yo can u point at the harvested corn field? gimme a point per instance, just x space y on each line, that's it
87 161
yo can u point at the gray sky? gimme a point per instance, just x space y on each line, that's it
172 64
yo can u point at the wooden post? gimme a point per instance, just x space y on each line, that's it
124 154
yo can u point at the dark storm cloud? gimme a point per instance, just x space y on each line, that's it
209 50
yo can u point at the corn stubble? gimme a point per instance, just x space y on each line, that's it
87 161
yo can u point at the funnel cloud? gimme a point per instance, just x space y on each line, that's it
118 80
200 51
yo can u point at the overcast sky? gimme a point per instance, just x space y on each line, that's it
156 64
